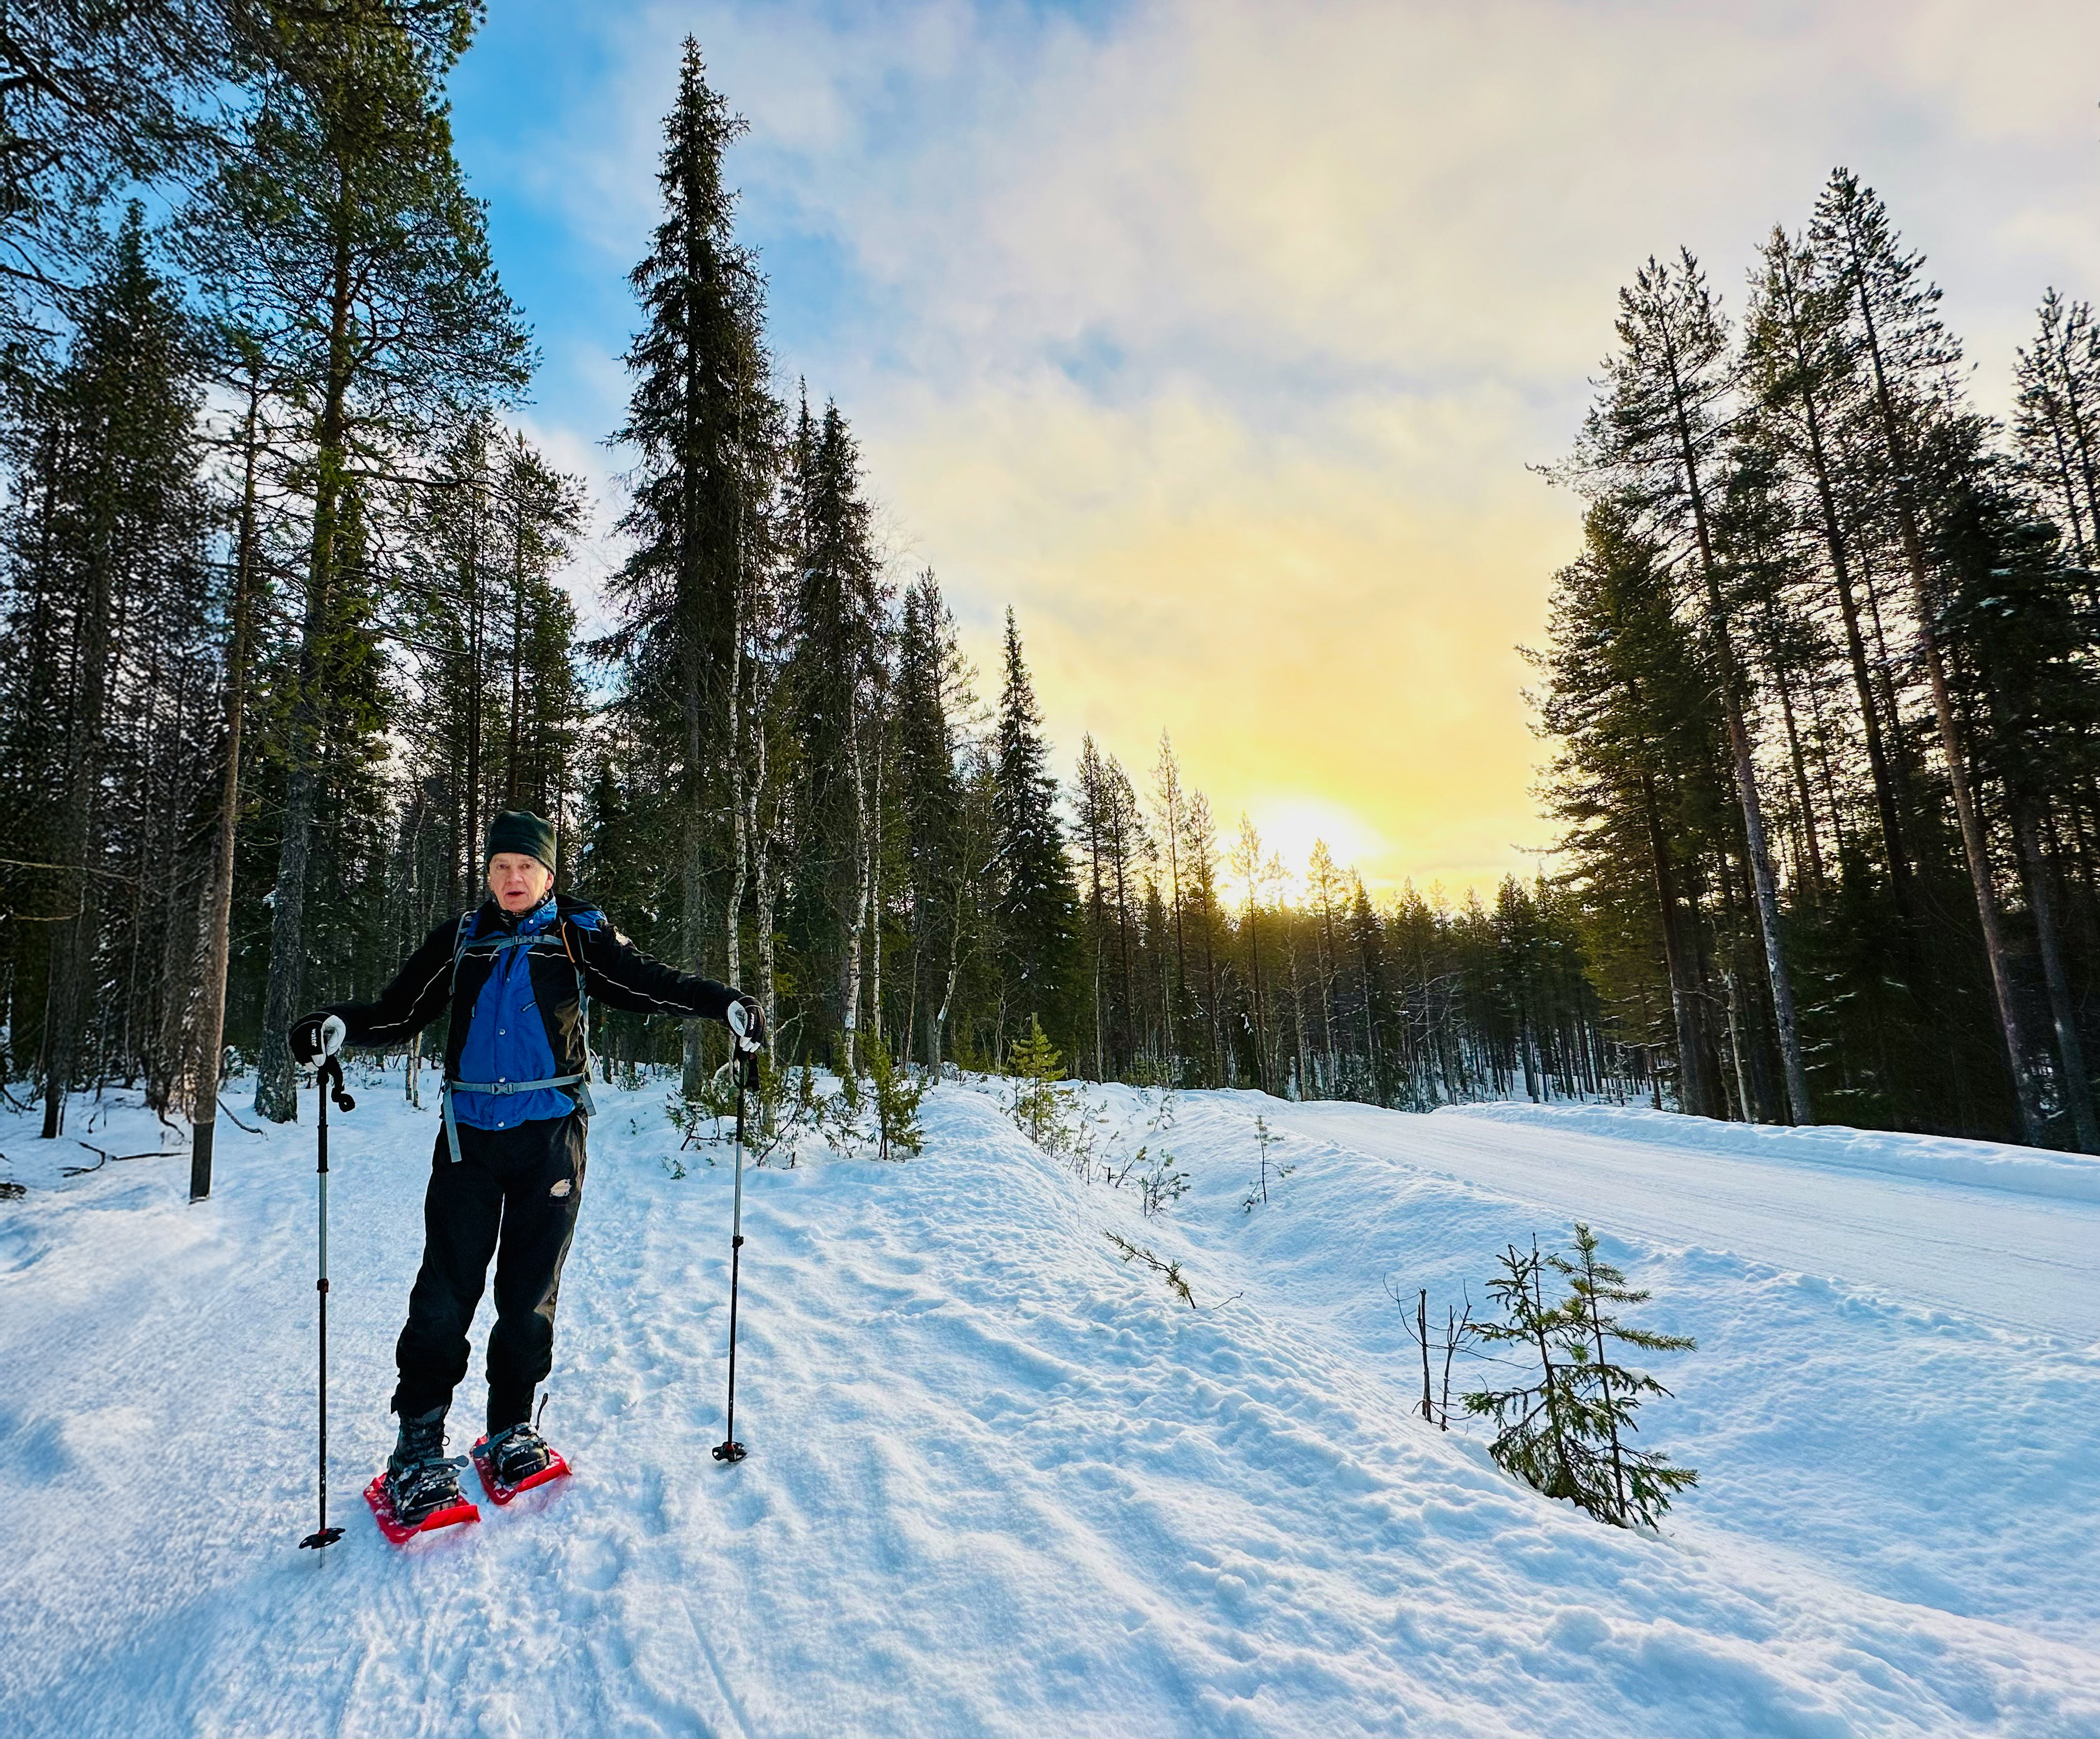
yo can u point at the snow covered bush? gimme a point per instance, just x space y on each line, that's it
1565 1433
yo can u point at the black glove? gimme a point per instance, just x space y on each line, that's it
308 1037
754 1019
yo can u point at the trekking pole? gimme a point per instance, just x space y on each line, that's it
327 1077
729 1449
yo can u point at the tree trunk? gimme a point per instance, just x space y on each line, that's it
850 990
275 1093
512 749
2041 901
1972 844
211 1009
741 844
72 957
1693 1096
1746 777
1848 609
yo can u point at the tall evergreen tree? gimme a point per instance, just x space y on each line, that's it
1037 902
704 426
109 597
2058 422
931 703
97 96
1910 410
341 237
836 684
1654 438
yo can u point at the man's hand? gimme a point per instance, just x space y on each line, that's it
747 1020
316 1035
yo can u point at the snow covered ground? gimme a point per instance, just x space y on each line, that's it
1001 1482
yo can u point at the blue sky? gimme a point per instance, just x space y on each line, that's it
1216 337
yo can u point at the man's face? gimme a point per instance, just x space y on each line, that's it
518 882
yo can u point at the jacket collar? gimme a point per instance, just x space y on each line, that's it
517 924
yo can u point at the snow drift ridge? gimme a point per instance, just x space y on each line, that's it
1983 1165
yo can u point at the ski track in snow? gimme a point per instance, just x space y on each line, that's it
1001 1482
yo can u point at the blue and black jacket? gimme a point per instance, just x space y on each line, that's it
518 985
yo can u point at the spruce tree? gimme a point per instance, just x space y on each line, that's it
837 683
704 426
110 599
2016 612
932 695
1626 702
1037 901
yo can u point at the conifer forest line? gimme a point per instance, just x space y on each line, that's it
1819 700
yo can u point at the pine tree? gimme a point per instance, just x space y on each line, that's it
1653 439
98 99
341 237
2056 424
1908 406
1800 368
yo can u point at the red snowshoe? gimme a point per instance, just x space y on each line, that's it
516 1460
450 1515
420 1489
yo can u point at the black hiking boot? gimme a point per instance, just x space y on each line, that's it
515 1454
421 1479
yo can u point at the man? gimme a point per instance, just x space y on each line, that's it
508 1173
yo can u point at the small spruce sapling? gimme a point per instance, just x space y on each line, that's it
784 1105
714 1101
894 1095
1040 1108
1643 1482
1537 1435
1565 1434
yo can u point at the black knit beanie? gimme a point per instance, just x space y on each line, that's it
520 830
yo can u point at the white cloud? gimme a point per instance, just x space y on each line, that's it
1216 336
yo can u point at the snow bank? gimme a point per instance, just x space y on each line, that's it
1000 1481
1984 1165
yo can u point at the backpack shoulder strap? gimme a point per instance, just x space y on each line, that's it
459 945
583 997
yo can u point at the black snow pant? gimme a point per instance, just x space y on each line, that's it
512 1194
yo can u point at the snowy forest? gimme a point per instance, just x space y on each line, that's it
282 582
